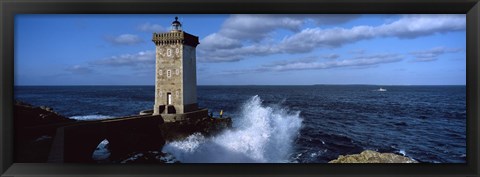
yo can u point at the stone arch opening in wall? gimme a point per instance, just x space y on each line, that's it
101 152
80 141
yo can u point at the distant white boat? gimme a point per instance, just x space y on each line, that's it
382 89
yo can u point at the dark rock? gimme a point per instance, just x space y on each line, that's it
26 115
149 157
33 136
21 103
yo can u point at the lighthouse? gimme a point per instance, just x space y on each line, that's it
175 75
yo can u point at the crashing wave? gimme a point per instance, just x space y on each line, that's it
262 134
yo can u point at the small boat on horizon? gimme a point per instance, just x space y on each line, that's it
382 89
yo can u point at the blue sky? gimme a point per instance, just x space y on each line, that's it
245 49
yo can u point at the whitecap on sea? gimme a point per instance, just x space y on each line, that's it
91 117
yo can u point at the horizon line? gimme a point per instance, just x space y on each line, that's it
272 85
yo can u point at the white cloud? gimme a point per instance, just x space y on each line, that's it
305 60
236 54
412 26
218 41
357 61
125 39
140 59
255 28
432 54
331 56
148 27
313 64
243 36
311 38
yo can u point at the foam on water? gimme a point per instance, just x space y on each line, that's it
263 134
91 117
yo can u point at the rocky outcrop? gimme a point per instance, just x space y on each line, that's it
27 115
369 156
34 131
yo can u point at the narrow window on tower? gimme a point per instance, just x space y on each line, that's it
177 71
169 73
160 72
177 50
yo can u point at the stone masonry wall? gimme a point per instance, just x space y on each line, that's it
169 76
189 75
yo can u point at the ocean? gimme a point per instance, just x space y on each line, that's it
293 124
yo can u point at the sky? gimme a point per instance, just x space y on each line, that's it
245 49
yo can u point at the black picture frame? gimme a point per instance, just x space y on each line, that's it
9 8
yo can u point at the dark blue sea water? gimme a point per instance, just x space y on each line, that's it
306 124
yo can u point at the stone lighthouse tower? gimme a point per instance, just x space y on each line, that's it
175 75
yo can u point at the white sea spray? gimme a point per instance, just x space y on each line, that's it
263 134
